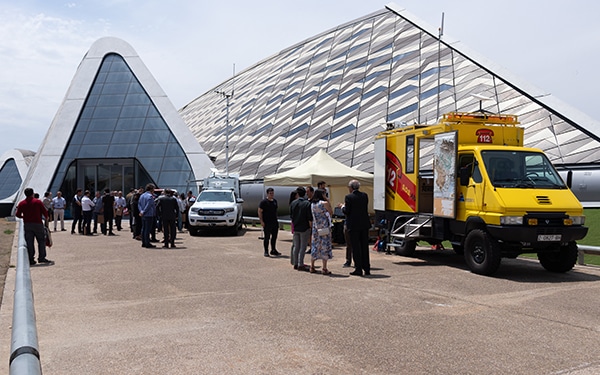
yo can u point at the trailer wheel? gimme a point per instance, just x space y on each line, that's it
482 253
560 261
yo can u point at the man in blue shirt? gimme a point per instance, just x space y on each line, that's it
147 213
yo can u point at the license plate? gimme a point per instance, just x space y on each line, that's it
549 237
211 218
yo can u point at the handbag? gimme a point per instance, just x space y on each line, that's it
48 237
323 231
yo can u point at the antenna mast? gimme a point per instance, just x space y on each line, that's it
441 33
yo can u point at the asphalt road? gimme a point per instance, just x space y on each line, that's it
216 305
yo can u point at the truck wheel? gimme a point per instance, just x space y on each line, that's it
482 253
407 248
194 231
560 261
234 229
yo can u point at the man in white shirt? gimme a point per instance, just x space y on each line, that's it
58 206
87 208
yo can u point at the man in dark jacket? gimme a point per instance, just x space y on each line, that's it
301 215
356 209
168 211
108 206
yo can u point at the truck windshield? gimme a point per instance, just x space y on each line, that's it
521 169
215 196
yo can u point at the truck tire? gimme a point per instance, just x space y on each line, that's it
235 228
560 261
482 253
194 231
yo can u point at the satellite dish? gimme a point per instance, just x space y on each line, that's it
481 98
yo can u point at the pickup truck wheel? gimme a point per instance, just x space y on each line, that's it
194 231
482 253
235 228
562 260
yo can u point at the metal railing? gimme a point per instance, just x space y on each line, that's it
583 249
25 356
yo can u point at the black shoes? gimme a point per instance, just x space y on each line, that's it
45 261
149 246
275 253
347 264
356 273
266 254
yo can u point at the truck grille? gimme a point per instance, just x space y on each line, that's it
211 212
543 199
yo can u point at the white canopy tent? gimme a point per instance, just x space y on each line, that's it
322 167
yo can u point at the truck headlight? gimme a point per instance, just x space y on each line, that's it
511 220
578 220
229 209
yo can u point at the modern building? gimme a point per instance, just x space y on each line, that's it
335 91
116 129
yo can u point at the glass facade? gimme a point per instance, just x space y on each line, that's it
337 90
120 140
10 179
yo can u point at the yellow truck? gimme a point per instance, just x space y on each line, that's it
468 180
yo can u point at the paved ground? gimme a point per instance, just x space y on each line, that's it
216 305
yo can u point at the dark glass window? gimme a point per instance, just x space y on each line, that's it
10 179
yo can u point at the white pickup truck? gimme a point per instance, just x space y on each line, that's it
217 206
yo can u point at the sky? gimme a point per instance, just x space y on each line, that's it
191 46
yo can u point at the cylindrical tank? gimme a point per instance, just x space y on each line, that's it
253 191
585 184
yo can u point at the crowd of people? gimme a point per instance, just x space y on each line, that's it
151 210
311 215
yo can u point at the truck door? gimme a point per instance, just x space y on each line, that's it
470 196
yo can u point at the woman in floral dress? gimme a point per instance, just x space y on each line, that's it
321 231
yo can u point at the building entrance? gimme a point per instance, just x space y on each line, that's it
113 174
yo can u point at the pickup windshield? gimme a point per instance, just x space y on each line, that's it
521 169
215 196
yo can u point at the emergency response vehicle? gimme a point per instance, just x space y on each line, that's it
481 190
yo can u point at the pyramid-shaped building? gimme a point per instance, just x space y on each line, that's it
116 129
335 91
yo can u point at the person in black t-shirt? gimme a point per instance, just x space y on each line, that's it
267 213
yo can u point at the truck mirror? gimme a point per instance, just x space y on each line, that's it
465 174
569 178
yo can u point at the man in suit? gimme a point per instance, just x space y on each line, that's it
358 223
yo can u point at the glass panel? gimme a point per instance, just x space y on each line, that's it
102 124
108 100
134 111
157 150
130 124
92 151
103 177
10 179
137 99
127 137
174 164
121 151
154 136
89 178
97 138
116 177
